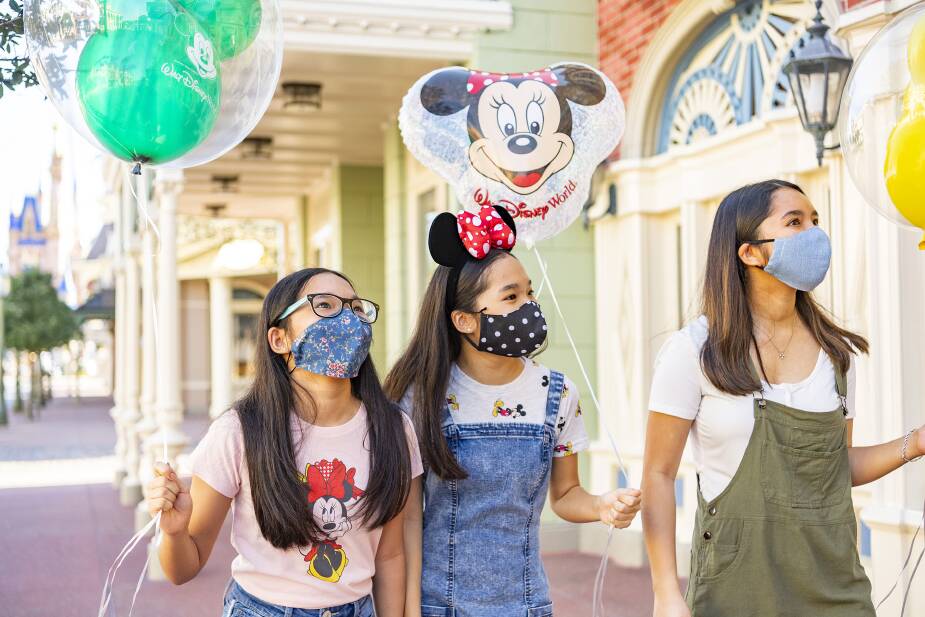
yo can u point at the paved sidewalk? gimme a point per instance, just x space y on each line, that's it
57 541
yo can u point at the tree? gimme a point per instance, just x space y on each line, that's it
15 69
36 320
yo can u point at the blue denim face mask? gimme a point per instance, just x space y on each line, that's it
801 260
334 347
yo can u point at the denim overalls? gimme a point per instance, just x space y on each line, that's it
481 554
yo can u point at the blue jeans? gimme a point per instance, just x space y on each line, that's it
239 603
481 554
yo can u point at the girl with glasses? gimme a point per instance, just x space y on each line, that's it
314 462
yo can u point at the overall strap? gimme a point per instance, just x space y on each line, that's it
759 395
841 387
554 397
447 417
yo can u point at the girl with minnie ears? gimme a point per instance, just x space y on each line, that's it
496 431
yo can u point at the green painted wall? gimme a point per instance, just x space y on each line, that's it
362 241
544 32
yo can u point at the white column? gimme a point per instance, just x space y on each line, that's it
131 412
695 232
118 341
284 266
221 333
148 424
168 403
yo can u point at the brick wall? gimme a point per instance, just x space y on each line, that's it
850 4
625 28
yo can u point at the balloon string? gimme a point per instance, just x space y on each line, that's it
591 390
915 568
141 200
598 596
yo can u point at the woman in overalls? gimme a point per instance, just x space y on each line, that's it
763 383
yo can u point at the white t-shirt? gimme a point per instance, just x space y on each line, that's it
520 401
723 423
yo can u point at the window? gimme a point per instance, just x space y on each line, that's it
731 73
245 294
245 344
245 308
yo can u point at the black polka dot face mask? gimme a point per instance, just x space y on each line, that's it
516 334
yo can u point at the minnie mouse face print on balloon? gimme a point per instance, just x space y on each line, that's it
526 141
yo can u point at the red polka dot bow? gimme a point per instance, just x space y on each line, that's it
484 231
479 80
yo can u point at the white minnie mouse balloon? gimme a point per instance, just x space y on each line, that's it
529 142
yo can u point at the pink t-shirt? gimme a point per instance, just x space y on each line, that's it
334 462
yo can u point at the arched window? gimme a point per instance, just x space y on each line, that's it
731 73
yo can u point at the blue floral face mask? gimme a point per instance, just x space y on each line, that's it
334 347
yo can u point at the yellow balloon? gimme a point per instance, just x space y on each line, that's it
904 168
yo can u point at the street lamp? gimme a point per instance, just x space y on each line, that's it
817 70
4 290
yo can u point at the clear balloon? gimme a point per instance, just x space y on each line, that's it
882 120
58 31
529 142
232 24
248 83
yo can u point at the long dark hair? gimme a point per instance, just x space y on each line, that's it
280 499
726 353
425 365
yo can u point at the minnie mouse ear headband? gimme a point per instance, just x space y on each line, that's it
457 239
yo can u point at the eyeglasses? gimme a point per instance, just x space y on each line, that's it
329 306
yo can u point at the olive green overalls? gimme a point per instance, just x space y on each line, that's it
781 540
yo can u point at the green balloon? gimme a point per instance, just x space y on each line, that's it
148 82
232 24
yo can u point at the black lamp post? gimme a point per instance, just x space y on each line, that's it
817 71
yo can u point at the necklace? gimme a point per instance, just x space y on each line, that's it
781 353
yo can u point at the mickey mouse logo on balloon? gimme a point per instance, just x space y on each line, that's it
528 142
202 56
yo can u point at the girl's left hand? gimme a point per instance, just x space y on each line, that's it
619 508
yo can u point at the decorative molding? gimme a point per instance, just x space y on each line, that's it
201 235
731 73
406 28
